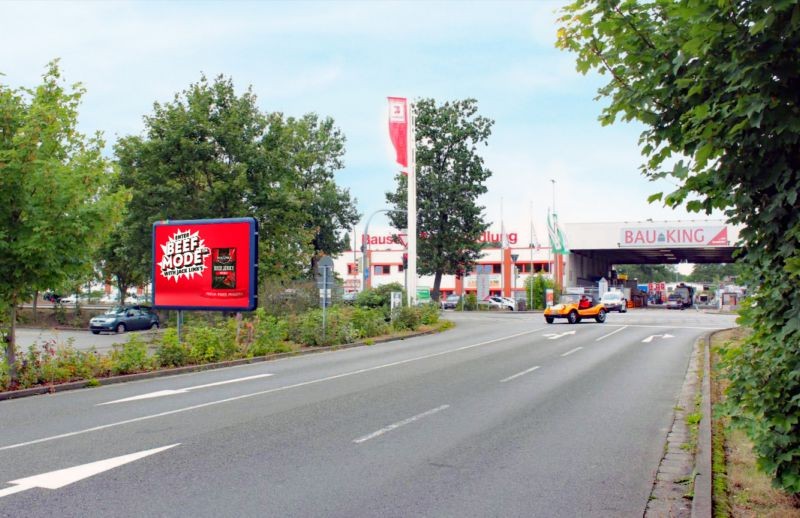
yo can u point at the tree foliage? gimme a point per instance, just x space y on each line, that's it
650 272
717 86
450 178
715 273
55 205
211 153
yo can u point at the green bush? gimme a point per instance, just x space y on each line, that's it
170 352
131 357
407 318
540 284
265 335
379 297
212 344
429 313
470 302
368 322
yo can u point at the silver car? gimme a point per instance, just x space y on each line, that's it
614 301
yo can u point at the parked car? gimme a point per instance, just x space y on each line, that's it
69 299
614 301
125 318
575 307
498 302
349 297
49 296
675 301
451 301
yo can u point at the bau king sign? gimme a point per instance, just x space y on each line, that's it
674 236
205 264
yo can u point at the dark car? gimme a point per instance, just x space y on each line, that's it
451 302
124 318
55 298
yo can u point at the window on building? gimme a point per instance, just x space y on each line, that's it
352 269
380 269
497 268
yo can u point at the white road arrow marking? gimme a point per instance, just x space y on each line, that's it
172 392
64 477
651 337
556 336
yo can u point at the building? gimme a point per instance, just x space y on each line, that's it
506 269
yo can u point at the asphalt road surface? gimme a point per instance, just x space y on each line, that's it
502 416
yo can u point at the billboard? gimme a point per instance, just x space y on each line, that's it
205 264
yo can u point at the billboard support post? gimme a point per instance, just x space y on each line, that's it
180 325
324 298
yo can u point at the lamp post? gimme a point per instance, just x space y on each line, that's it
365 245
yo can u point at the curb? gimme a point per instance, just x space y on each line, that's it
702 504
682 486
111 380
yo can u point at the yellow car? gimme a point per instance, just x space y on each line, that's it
575 307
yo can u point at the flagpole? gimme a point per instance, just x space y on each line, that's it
502 251
411 293
530 272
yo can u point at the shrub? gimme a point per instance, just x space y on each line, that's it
407 318
170 352
131 357
265 334
368 322
470 302
429 313
212 344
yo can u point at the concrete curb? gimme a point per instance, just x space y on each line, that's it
74 385
702 503
679 468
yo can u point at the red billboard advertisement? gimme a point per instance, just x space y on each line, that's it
205 264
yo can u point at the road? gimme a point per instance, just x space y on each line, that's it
503 415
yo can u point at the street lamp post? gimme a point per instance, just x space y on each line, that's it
365 245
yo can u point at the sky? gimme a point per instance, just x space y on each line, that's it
342 60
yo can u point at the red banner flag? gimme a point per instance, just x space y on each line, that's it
398 128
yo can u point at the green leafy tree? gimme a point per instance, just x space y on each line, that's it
115 263
55 203
650 272
717 86
714 273
211 153
450 178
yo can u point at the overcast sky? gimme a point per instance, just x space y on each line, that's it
342 59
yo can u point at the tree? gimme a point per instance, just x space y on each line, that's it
717 86
211 153
55 205
714 273
650 272
115 263
450 178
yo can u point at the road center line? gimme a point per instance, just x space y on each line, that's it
611 333
517 375
571 351
262 392
398 424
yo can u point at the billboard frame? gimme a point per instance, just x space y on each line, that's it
252 295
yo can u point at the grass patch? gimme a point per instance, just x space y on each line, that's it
739 488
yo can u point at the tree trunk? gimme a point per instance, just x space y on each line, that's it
35 304
437 281
11 343
123 290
